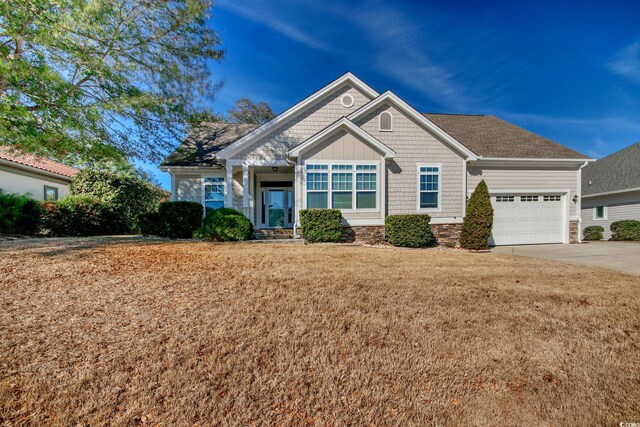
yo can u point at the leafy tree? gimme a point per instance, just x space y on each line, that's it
96 79
246 111
478 222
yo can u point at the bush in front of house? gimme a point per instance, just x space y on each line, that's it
628 229
19 215
149 223
321 225
178 220
478 222
225 225
409 231
79 216
593 232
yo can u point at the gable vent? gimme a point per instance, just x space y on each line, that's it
386 121
347 100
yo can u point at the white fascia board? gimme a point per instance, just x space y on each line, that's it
343 123
519 162
627 190
408 109
189 169
286 115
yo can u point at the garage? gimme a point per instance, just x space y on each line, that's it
525 219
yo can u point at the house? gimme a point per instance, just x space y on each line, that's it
611 189
37 177
371 155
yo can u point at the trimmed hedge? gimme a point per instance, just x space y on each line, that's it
225 225
79 216
179 219
478 222
628 229
321 225
409 231
593 232
19 215
149 224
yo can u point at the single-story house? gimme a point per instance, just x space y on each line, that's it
371 155
37 177
611 189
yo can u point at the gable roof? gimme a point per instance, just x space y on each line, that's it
492 137
617 172
201 146
36 162
340 124
347 78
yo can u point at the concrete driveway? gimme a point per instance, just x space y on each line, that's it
621 256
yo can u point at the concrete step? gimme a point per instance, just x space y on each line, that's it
273 234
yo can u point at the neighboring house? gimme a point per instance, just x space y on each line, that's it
611 189
372 155
40 178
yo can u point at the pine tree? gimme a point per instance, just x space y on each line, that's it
478 221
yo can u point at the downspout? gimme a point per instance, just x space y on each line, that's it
579 202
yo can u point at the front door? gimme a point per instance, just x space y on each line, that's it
277 208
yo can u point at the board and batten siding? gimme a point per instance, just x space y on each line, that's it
348 147
275 144
618 207
414 145
525 178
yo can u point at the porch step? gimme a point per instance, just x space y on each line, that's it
273 234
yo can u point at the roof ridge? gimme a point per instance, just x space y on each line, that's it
458 114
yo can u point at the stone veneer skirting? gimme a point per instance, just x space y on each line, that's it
574 232
445 234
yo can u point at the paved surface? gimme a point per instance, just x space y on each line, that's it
621 256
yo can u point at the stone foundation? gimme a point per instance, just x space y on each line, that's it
445 234
574 232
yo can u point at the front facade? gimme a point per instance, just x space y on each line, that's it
372 155
36 177
611 189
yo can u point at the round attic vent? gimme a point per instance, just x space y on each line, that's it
347 100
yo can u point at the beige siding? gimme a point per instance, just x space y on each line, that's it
342 146
414 145
18 181
618 207
237 189
524 178
274 146
188 188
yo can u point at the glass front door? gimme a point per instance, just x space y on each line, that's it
277 208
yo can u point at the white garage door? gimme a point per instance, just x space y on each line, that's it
524 219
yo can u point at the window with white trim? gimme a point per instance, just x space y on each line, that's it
553 198
366 186
429 187
213 193
336 189
342 187
528 198
386 122
502 199
599 212
50 193
317 186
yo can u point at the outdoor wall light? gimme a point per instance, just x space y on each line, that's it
275 169
575 198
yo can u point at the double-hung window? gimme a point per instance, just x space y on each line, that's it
317 186
366 186
429 186
346 186
213 193
342 186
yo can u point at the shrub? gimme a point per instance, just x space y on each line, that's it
179 219
128 195
321 225
628 229
149 224
478 222
409 231
593 232
225 225
79 216
19 215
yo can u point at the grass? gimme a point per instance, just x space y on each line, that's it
132 332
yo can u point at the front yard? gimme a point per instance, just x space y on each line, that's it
135 332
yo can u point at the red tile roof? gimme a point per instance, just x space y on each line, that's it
6 153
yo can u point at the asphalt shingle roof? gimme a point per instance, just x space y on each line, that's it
199 148
37 162
490 136
616 172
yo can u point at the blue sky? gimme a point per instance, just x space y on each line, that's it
568 71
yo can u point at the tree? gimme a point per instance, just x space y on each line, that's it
478 222
245 111
98 79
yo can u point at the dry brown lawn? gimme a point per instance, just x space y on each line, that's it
134 332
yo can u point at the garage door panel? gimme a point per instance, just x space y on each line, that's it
527 219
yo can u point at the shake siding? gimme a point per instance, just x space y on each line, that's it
523 178
618 206
274 146
414 145
188 188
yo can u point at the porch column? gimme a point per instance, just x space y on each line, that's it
245 190
229 186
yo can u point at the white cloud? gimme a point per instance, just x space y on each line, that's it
626 62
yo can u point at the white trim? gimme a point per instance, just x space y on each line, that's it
281 118
520 162
228 195
390 122
464 188
347 104
439 132
449 220
429 165
343 123
630 190
190 169
245 189
174 193
202 192
605 209
525 159
363 222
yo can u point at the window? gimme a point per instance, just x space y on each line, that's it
347 100
528 198
502 199
50 193
555 198
340 192
213 193
386 122
429 186
599 212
